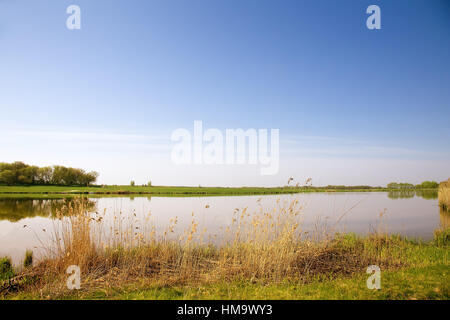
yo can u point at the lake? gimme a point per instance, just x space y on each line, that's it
27 223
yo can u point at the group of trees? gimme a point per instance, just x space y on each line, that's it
19 173
410 186
403 186
428 185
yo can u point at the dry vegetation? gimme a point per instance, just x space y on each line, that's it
267 246
444 195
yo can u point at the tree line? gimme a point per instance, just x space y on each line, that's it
19 173
406 186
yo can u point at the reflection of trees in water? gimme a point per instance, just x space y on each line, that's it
15 209
401 194
427 194
405 194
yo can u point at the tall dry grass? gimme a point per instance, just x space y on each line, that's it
266 245
444 195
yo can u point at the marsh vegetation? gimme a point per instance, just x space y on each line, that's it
266 247
444 195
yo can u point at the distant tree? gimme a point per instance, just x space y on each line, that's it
18 165
91 177
401 185
5 166
44 175
57 176
149 184
132 183
428 185
28 175
393 185
7 177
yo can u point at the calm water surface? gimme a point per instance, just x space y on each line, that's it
28 223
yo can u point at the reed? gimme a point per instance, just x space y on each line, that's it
28 261
267 246
444 195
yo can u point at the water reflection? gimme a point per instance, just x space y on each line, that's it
16 209
405 194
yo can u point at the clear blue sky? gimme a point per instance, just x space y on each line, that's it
353 105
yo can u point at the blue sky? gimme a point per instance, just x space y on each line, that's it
354 106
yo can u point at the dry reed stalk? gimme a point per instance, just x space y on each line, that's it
444 195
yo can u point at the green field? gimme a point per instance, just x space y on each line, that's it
168 190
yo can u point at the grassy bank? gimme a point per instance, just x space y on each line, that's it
423 275
264 255
174 191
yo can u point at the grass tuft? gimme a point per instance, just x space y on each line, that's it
6 268
28 261
442 237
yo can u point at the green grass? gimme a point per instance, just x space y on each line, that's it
432 282
165 190
413 283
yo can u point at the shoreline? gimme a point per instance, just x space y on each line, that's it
181 191
410 270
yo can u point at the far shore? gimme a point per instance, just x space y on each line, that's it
182 191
